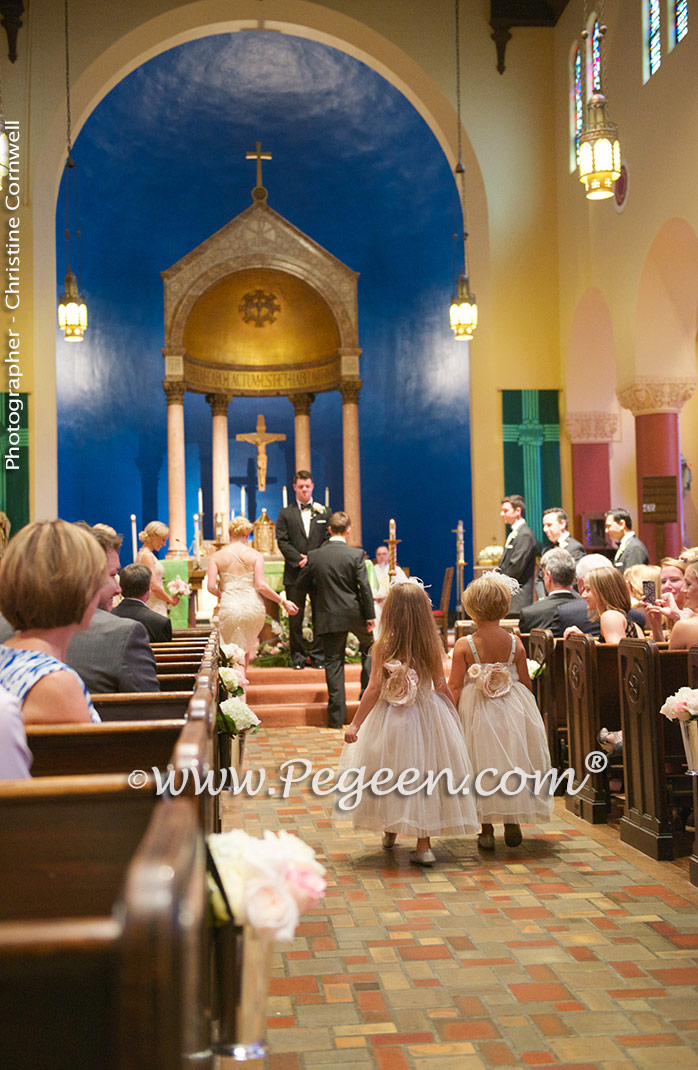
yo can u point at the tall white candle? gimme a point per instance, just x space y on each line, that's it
196 538
134 535
284 496
232 514
243 502
327 497
201 503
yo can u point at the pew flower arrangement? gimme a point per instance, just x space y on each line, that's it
266 883
235 716
535 668
232 654
683 707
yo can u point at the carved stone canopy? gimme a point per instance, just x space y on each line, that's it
260 309
648 394
592 426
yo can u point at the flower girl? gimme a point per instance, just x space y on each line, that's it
412 731
503 727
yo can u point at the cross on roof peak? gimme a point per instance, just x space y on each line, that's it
258 155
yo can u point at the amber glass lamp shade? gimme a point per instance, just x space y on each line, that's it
72 310
599 151
463 311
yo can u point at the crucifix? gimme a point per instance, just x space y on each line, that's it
261 440
258 155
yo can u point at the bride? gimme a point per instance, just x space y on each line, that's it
236 576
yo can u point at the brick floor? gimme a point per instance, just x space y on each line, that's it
572 950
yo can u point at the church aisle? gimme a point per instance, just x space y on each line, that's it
570 951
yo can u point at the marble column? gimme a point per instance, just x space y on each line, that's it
220 459
591 435
301 408
176 475
656 404
350 391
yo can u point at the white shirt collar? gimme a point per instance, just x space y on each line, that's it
336 538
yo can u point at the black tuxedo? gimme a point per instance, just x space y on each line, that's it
634 553
294 543
336 573
545 613
573 547
159 628
519 561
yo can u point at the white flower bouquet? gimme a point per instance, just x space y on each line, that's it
266 883
232 654
233 680
235 716
683 707
535 668
179 588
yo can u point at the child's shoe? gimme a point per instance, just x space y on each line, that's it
512 835
423 858
389 839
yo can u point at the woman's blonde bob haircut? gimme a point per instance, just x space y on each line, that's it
49 574
154 530
487 598
240 527
408 632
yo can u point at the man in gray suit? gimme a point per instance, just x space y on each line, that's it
336 573
114 654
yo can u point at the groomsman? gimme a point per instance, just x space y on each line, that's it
301 527
631 550
555 529
520 550
343 603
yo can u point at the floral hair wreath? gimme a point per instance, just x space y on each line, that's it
513 585
413 580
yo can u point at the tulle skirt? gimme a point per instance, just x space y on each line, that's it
505 734
417 741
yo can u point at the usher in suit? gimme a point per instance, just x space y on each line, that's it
336 573
519 561
294 543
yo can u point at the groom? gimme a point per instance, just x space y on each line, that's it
300 528
343 603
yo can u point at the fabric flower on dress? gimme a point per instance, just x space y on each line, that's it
401 686
493 680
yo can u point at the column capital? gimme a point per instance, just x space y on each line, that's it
651 394
592 426
301 403
174 391
350 390
219 403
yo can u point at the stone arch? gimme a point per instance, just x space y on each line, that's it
667 304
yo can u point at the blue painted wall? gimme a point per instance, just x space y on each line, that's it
160 167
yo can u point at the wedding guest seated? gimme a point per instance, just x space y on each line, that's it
662 613
607 598
114 654
51 577
635 577
684 633
558 571
569 617
15 756
135 581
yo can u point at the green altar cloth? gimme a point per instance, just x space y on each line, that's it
179 614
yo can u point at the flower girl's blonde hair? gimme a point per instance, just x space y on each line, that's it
408 632
488 597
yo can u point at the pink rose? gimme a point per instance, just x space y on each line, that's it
271 908
401 686
306 886
682 711
474 671
493 680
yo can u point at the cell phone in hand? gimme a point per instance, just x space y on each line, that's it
649 590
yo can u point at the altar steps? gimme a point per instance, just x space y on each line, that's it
296 697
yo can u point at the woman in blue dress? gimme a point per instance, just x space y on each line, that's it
51 575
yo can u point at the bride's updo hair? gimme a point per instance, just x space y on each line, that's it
408 632
488 597
240 527
154 530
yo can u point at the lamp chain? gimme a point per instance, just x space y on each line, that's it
460 166
67 81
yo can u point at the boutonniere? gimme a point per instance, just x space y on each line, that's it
317 508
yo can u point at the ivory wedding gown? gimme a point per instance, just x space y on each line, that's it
242 611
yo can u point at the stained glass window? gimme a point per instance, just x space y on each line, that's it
680 19
596 58
654 44
577 104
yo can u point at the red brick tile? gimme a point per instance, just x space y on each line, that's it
422 903
540 993
391 1059
460 943
603 923
687 975
551 1025
627 969
308 1000
471 1006
541 974
582 954
527 913
424 954
391 1039
427 982
371 1001
284 1062
480 1029
291 986
550 888
313 928
646 1040
655 890
299 955
497 1053
323 943
685 940
277 1022
537 1058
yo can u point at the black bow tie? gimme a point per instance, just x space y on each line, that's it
306 505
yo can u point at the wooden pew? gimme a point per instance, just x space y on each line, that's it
653 751
593 702
103 953
549 688
177 668
140 706
116 747
177 681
